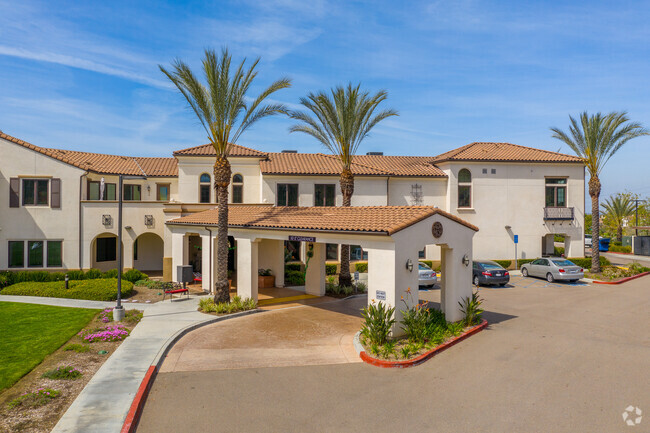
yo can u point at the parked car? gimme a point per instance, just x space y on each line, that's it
486 272
588 241
553 268
427 276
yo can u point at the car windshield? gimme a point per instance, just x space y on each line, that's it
424 267
563 263
491 266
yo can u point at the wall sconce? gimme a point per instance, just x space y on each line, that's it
148 189
409 265
466 260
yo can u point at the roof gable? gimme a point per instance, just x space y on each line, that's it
207 150
503 152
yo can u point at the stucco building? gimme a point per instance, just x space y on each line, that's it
58 208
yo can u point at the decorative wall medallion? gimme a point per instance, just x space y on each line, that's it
436 229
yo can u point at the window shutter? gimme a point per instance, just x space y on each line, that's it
14 191
55 192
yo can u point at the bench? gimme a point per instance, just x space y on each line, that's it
171 292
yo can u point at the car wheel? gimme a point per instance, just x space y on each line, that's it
549 277
476 282
524 272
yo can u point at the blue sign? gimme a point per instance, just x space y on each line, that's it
516 239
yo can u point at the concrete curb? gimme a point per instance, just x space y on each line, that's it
425 356
623 280
133 416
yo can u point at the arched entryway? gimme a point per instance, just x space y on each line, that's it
103 252
148 251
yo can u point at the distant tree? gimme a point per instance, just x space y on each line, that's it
588 223
596 139
618 208
225 112
340 121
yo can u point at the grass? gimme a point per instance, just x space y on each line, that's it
31 332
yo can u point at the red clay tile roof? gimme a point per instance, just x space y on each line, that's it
503 152
363 165
208 150
106 164
369 219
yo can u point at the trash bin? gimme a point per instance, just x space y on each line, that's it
603 244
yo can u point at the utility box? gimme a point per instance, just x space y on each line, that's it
184 274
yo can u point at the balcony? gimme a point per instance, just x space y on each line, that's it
558 213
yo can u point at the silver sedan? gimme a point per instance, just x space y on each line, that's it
553 268
427 277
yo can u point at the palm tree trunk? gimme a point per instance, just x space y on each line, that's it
594 193
619 233
222 180
347 189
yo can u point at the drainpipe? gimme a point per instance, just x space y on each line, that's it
81 179
210 267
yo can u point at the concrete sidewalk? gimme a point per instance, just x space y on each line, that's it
103 404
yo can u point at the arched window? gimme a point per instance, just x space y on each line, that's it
464 188
204 188
238 188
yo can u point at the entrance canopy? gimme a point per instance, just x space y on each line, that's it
392 235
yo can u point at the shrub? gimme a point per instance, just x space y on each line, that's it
93 274
330 268
429 263
79 348
504 263
94 290
40 397
4 280
264 272
585 262
294 278
57 276
361 287
361 267
237 304
66 372
75 274
620 249
157 285
378 321
414 321
108 333
558 251
524 261
471 308
292 267
110 274
134 275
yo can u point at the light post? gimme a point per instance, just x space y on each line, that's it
118 311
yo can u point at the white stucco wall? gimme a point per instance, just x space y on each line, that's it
39 222
434 191
148 189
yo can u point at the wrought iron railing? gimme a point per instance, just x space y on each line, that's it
558 213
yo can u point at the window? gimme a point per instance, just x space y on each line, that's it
204 188
325 195
292 251
16 254
556 192
162 191
54 254
464 188
421 254
131 192
35 254
331 251
287 194
35 192
238 188
416 195
94 188
357 253
135 249
106 249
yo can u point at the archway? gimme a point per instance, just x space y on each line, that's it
103 252
148 251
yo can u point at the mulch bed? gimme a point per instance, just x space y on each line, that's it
42 419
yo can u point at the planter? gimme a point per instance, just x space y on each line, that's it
266 281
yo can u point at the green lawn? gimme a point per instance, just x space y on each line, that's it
28 333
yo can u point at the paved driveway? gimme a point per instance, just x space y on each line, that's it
554 359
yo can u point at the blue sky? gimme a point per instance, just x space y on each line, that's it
84 75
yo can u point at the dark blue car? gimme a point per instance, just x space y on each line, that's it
487 272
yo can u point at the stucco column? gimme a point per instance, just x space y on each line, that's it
247 258
178 250
315 276
206 251
127 241
89 250
457 281
167 254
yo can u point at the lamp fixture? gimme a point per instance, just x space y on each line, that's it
466 260
409 265
508 227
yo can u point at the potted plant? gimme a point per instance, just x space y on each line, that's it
265 279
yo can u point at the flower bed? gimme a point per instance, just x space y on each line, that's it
614 273
37 398
108 333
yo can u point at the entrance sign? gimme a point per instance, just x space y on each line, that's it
381 295
356 276
516 239
302 238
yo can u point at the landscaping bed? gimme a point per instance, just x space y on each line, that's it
237 304
334 290
614 273
37 401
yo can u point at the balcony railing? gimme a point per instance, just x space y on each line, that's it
558 213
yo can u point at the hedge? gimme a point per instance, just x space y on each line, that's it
294 278
95 290
330 269
429 263
620 249
292 267
13 277
361 267
503 263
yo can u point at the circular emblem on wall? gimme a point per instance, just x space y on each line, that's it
436 229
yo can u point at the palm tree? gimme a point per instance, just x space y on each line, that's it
340 122
225 112
618 208
596 139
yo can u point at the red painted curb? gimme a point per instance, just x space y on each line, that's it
623 280
132 418
425 356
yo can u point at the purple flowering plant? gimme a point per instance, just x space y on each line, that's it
37 398
107 333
